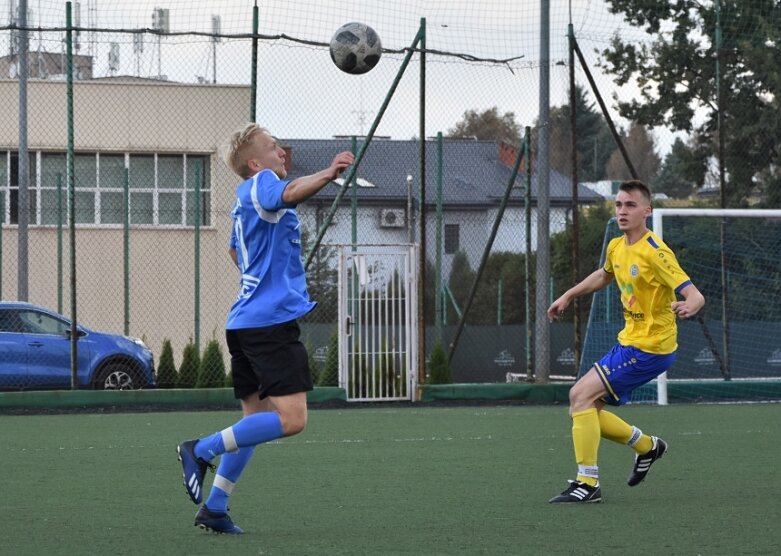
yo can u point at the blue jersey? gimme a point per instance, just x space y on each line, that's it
267 239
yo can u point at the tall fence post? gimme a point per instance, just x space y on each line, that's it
253 97
59 242
2 223
575 252
71 196
527 214
23 207
422 212
197 257
126 247
438 305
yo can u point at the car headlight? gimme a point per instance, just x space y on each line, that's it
138 341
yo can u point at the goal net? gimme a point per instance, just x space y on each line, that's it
732 350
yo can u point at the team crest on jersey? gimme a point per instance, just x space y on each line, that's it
634 270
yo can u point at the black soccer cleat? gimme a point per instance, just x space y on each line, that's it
578 492
193 470
643 462
216 522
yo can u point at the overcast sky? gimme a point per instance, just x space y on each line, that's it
300 92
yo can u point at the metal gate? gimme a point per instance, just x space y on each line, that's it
378 322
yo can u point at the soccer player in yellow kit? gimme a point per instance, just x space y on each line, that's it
650 279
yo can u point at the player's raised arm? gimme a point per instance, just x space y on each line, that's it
300 189
591 283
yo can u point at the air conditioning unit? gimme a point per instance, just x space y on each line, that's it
392 218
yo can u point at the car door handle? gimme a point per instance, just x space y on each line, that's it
35 344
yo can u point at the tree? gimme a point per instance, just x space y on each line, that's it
460 283
640 148
330 373
592 224
211 370
487 125
314 365
439 371
188 372
681 172
507 268
166 370
676 75
594 141
321 280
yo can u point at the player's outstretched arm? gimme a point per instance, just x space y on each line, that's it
692 303
300 189
591 283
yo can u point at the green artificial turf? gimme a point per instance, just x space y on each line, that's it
406 480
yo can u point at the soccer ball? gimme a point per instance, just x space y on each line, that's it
355 48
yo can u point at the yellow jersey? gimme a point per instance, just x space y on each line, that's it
648 276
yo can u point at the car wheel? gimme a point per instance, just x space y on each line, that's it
116 376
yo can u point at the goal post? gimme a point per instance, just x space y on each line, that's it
732 349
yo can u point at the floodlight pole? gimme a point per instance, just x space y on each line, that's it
541 324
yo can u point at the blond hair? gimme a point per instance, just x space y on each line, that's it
234 151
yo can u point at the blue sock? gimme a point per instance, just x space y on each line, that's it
229 470
250 431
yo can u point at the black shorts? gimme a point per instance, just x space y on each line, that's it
269 360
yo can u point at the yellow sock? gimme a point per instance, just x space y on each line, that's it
585 438
616 429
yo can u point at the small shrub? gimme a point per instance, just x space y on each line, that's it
330 373
167 375
211 371
188 372
439 371
229 379
314 366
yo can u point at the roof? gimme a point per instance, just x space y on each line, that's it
473 175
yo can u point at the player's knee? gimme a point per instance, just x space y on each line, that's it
579 400
293 424
575 396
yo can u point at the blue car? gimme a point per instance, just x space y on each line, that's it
35 353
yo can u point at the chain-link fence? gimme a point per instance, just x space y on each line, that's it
130 154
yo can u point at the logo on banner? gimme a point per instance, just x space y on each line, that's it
505 359
705 358
775 358
566 357
320 354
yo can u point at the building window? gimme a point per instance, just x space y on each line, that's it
162 188
11 188
451 238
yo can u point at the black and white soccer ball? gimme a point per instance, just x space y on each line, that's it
355 48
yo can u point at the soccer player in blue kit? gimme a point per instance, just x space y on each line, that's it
271 375
649 278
